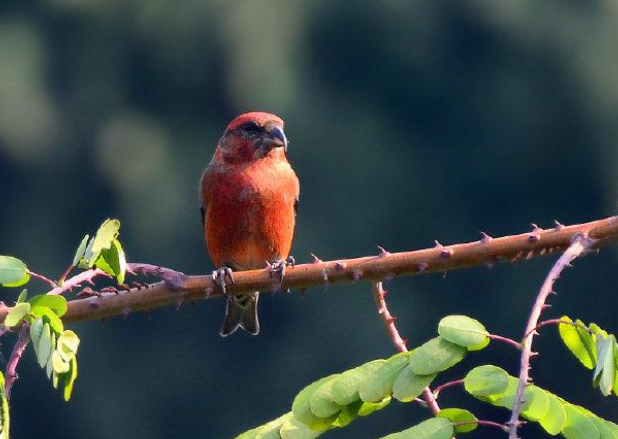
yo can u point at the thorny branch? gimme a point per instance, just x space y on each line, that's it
18 350
580 245
383 266
400 343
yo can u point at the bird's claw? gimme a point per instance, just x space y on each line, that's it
219 275
277 269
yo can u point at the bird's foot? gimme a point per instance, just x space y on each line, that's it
277 269
219 278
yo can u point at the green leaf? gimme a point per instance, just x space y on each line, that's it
301 407
271 430
605 430
292 428
22 296
13 272
460 416
50 363
578 426
67 345
462 330
345 386
605 369
379 384
507 398
48 316
56 303
89 258
486 380
321 401
45 346
69 379
102 240
113 261
537 403
81 251
16 315
435 356
59 364
409 385
482 345
368 408
579 342
436 428
36 330
554 419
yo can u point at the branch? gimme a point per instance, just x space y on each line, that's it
399 342
486 251
580 245
11 367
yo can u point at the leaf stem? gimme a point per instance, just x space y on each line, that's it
42 278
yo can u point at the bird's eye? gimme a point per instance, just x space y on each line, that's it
252 129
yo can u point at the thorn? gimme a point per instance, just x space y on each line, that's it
422 267
208 292
533 354
535 236
553 292
340 266
125 312
357 275
382 252
558 225
529 255
546 305
437 244
391 320
517 257
485 238
315 259
446 253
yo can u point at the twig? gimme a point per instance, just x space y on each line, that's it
66 274
18 350
479 422
400 343
446 385
75 281
578 247
506 340
42 278
371 268
560 322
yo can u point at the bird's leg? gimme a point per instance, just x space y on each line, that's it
219 275
277 268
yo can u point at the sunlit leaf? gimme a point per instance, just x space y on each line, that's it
59 364
435 356
50 364
69 379
379 384
301 407
48 316
22 296
462 330
579 343
67 345
554 419
322 404
104 237
16 314
45 346
537 403
409 385
605 371
294 429
13 272
81 251
345 386
486 380
36 330
56 303
578 426
436 428
4 411
460 416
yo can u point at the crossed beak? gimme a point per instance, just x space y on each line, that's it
276 139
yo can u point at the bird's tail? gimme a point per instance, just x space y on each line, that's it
241 311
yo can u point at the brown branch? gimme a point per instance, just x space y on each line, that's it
400 343
18 350
580 245
486 251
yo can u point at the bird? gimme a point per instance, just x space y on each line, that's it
249 201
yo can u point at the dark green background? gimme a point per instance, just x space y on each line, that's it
409 121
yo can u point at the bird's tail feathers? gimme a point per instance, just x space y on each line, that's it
241 312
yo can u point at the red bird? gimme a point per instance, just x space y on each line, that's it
249 196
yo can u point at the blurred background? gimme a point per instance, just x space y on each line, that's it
409 121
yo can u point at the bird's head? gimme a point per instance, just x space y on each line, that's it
251 137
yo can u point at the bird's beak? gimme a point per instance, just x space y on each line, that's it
276 139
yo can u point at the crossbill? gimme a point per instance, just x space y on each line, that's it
249 195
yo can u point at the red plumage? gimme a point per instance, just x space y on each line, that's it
249 196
